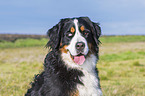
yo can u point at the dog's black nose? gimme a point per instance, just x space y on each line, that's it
80 46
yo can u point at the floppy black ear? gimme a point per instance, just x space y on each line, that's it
96 32
54 36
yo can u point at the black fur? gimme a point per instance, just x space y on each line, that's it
57 79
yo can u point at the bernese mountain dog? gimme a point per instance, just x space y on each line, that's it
70 66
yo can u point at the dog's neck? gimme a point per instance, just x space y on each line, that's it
90 63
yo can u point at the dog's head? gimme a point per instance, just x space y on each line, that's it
78 37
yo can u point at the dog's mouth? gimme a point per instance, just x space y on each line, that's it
78 59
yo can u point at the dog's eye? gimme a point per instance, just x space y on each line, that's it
69 34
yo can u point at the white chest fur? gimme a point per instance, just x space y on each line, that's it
90 87
90 80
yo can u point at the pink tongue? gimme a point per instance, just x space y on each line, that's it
79 59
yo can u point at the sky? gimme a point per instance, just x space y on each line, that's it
116 17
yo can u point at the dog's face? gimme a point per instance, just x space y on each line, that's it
77 37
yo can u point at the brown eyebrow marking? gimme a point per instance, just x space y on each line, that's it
72 29
82 28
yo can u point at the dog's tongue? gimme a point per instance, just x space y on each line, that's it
79 60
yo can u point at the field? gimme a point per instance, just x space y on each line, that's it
121 65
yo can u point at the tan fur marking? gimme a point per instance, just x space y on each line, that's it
63 49
82 28
72 29
75 93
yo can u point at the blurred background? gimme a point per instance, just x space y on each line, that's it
23 27
117 17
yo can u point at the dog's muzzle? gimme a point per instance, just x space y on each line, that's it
80 58
80 47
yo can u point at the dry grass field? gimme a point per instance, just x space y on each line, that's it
122 69
121 66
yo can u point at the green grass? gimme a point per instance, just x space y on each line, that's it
123 56
118 39
121 65
23 43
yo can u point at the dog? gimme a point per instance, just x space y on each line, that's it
70 66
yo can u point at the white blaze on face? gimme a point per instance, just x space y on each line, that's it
77 38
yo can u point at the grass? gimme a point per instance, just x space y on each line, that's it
18 66
118 39
121 65
23 43
129 55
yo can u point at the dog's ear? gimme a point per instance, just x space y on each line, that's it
54 35
96 32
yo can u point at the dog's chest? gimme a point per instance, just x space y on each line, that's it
90 87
